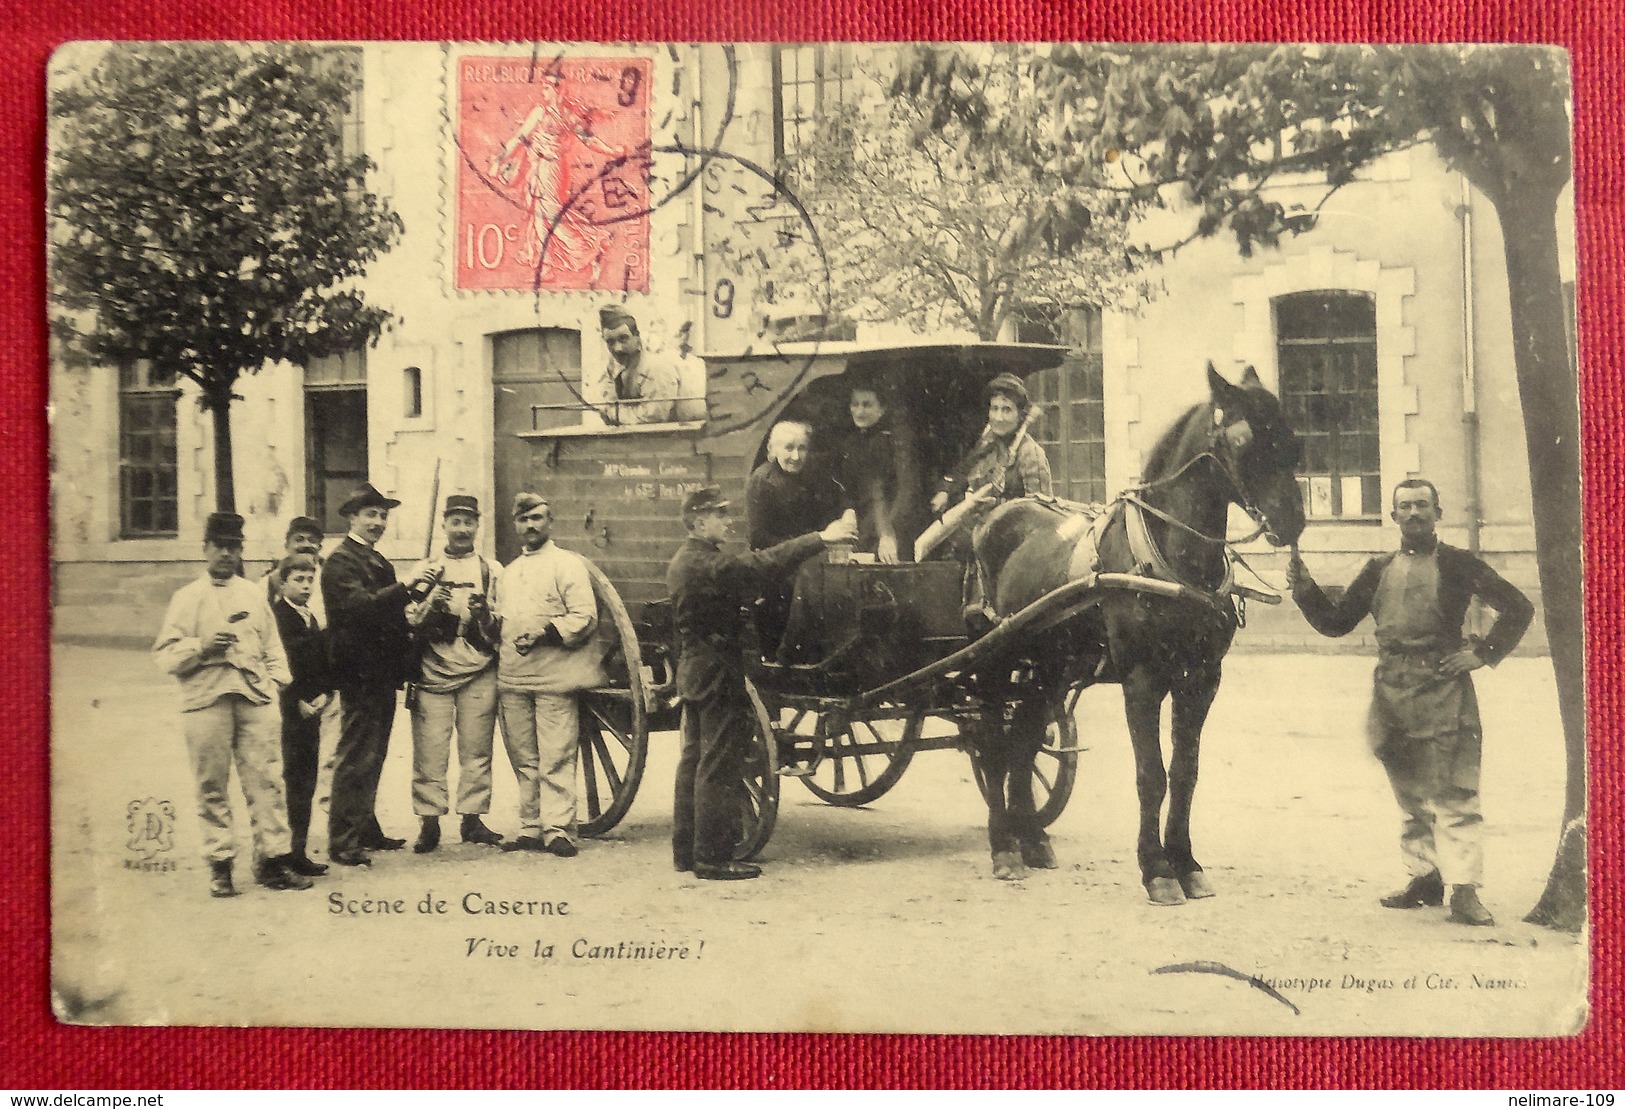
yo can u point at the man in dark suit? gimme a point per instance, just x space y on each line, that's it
305 643
372 657
709 590
1424 723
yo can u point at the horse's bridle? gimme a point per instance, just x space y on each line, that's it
1239 433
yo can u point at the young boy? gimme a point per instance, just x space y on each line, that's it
303 700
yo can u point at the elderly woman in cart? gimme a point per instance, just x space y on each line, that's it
1005 464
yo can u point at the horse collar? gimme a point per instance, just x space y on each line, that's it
1145 548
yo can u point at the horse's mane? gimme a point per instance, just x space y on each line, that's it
1166 453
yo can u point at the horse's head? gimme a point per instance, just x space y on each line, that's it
1260 451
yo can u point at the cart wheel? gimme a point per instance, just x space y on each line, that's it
614 726
1055 766
860 760
759 793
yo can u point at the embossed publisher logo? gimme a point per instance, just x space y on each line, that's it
151 824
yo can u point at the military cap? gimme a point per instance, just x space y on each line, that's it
304 525
525 502
613 315
462 502
707 498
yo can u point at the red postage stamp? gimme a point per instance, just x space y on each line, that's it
551 189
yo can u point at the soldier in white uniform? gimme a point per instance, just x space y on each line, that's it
548 613
456 683
637 387
220 642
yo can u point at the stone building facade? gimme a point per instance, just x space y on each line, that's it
1386 330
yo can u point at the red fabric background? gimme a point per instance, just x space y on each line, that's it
40 1053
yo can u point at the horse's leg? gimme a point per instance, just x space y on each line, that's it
1143 692
1026 737
992 759
993 762
1193 696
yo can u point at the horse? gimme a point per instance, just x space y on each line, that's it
1236 448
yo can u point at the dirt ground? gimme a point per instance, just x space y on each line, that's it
878 919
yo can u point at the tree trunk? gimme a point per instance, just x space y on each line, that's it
218 401
1548 387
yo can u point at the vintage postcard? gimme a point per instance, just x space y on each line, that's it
816 537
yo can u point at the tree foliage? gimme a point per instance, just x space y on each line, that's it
925 226
1221 123
1213 127
205 215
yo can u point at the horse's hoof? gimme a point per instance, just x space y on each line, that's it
1164 891
1039 856
1196 885
1007 866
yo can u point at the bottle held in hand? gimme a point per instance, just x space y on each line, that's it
425 583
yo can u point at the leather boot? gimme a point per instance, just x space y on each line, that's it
301 863
1424 891
428 836
278 874
475 831
1466 908
220 879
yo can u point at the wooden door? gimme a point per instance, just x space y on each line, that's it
535 381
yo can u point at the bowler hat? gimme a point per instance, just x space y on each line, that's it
365 496
461 502
525 502
1011 386
304 525
223 528
704 499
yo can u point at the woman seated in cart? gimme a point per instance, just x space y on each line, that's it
1006 463
786 496
879 473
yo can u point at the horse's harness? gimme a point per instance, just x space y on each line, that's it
1134 508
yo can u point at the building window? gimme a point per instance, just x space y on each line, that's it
809 81
1072 430
1327 349
335 434
348 61
412 391
148 502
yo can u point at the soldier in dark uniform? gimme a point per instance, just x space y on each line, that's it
372 657
709 593
1424 723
